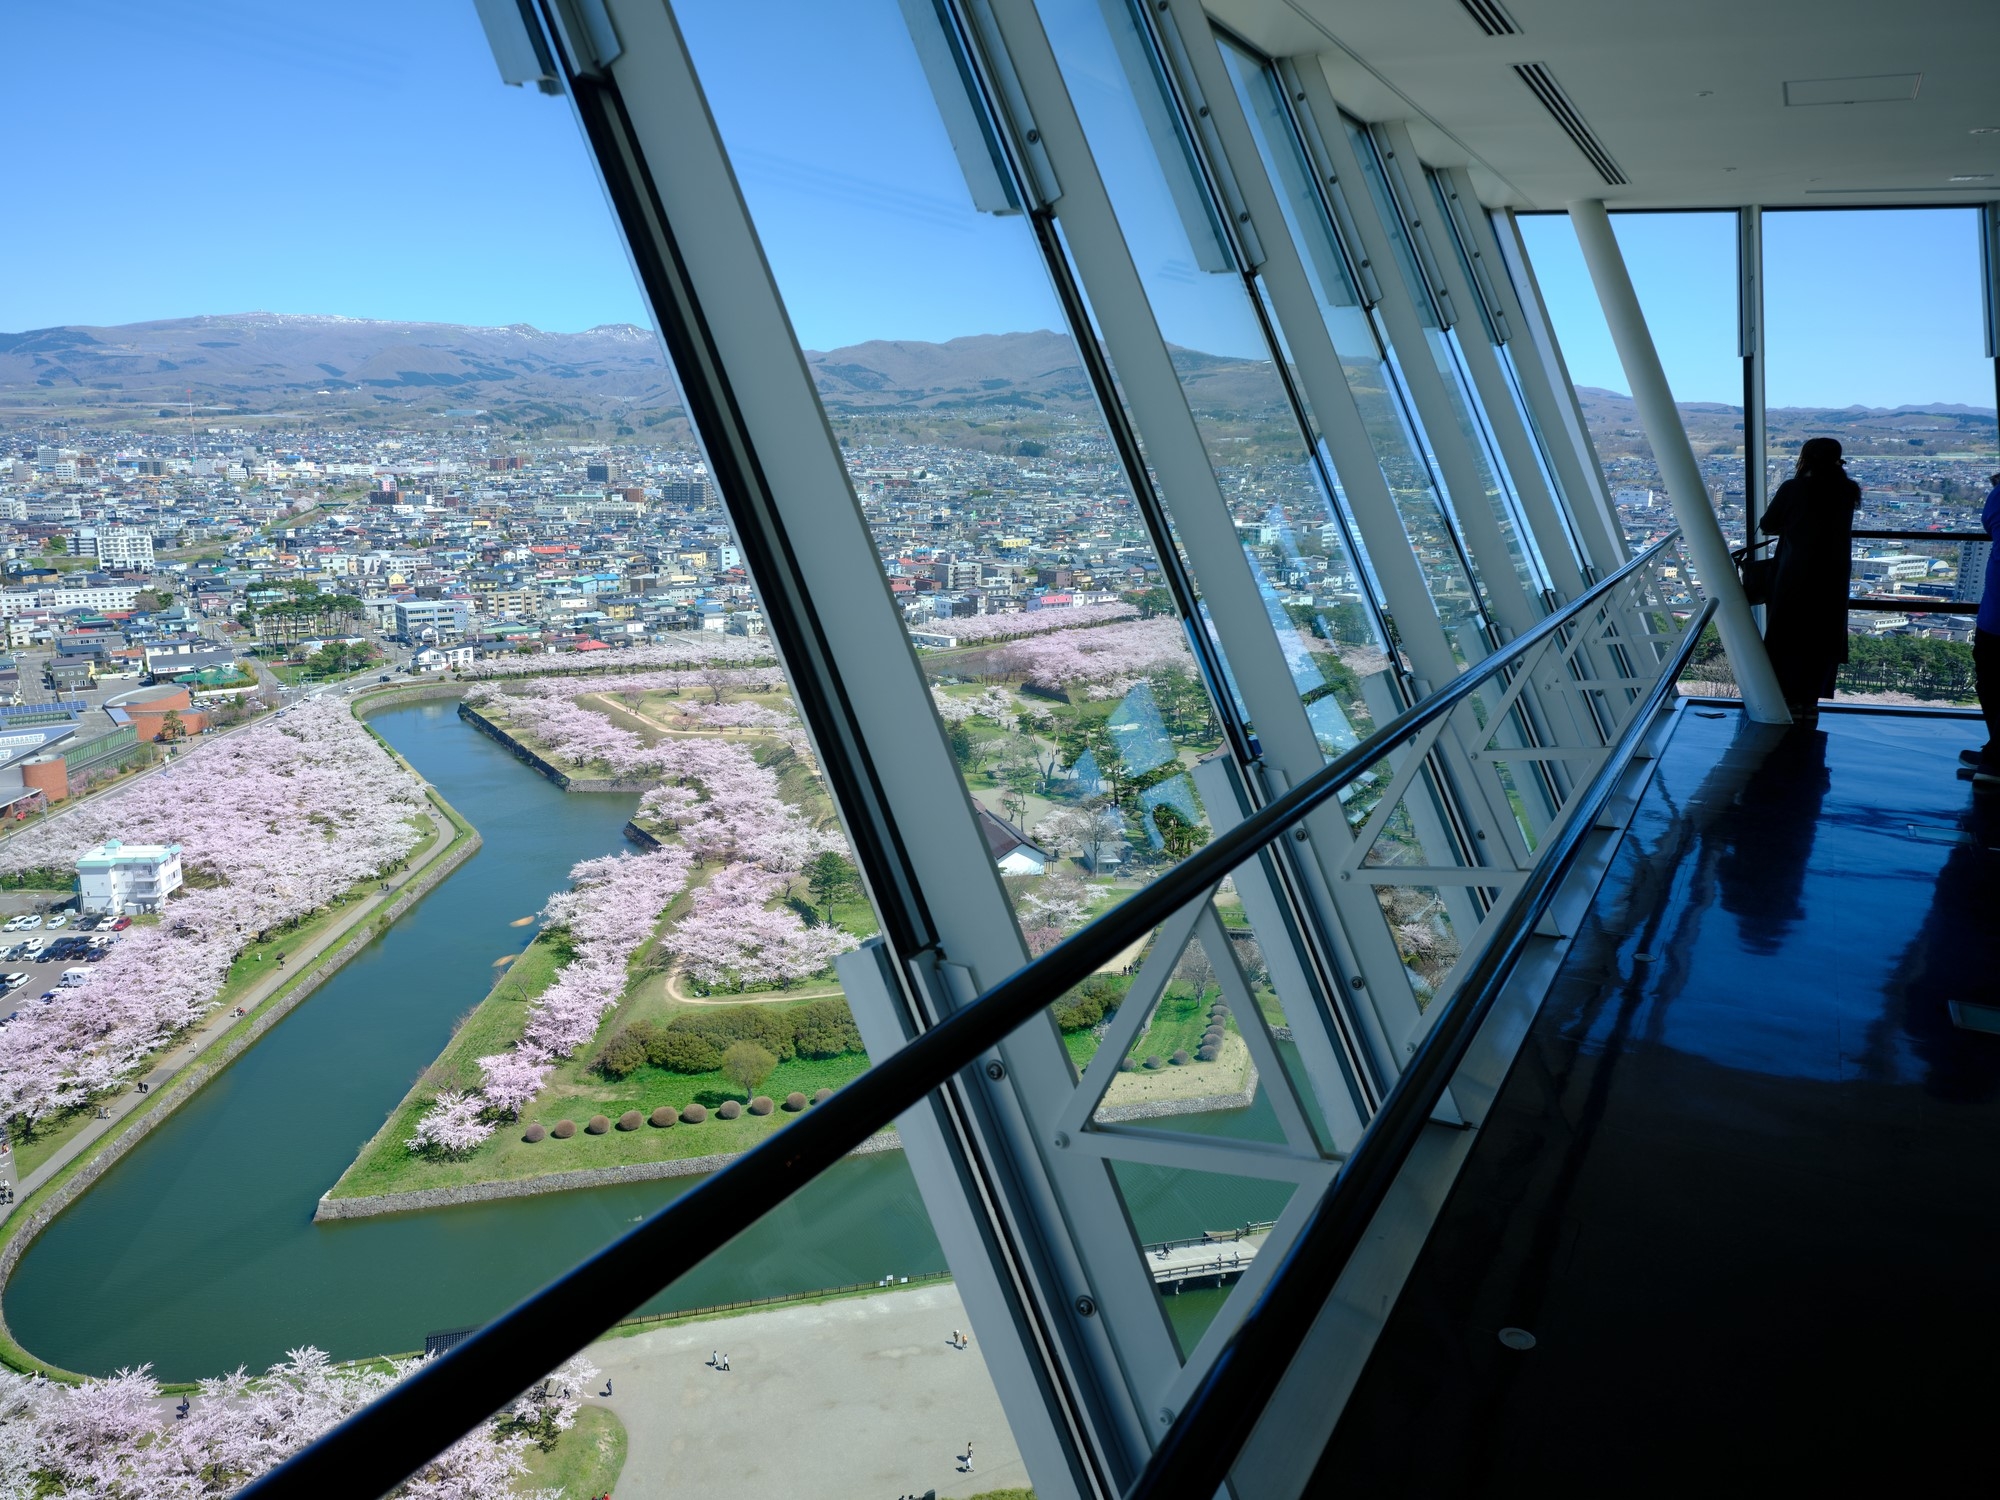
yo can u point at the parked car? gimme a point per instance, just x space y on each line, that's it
88 924
13 981
14 924
12 1015
121 924
74 977
30 923
60 919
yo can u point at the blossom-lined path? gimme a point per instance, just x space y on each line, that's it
192 1046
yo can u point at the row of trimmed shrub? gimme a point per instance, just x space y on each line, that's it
694 1041
666 1115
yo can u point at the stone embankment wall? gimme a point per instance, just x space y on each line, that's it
554 1182
377 700
190 1081
547 767
643 839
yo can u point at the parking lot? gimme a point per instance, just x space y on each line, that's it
40 954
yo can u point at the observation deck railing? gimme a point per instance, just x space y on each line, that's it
1606 663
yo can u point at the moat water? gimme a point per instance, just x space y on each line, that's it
197 1251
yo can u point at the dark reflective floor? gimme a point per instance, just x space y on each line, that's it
1743 1183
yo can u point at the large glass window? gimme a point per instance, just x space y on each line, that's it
1440 344
1393 426
1683 267
1022 564
1901 378
1279 490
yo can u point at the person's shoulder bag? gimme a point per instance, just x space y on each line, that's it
1757 573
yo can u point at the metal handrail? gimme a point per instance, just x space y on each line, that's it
1921 536
1201 1447
406 1426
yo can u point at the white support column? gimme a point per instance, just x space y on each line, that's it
1678 469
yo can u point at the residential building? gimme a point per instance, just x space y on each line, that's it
116 878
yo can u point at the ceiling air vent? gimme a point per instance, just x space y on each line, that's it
1556 102
1492 17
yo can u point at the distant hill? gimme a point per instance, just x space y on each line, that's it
1871 430
258 359
614 378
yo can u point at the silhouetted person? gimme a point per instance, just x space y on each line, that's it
1985 761
1805 629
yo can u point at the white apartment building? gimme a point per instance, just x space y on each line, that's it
115 877
117 546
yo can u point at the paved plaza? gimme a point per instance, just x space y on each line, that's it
860 1399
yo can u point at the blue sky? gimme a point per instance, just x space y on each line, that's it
1868 307
363 159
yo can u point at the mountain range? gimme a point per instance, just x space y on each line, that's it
290 365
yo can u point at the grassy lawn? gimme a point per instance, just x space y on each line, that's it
586 1461
576 1091
257 961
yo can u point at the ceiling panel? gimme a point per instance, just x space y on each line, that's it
1888 103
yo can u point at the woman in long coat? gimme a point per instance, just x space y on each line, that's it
1805 629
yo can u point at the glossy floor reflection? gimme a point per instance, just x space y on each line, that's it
1743 1183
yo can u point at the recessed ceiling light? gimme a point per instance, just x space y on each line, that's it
1985 130
1971 177
1704 93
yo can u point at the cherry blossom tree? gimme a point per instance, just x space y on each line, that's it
1121 653
114 1439
732 939
452 1125
979 628
686 650
274 822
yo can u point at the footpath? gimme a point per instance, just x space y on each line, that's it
185 1052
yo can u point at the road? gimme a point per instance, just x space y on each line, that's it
859 1399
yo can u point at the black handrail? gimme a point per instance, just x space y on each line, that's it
392 1437
1202 1445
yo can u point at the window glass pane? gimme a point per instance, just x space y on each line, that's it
1010 535
1496 487
1683 268
1270 477
1386 411
1503 352
1903 381
395 953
